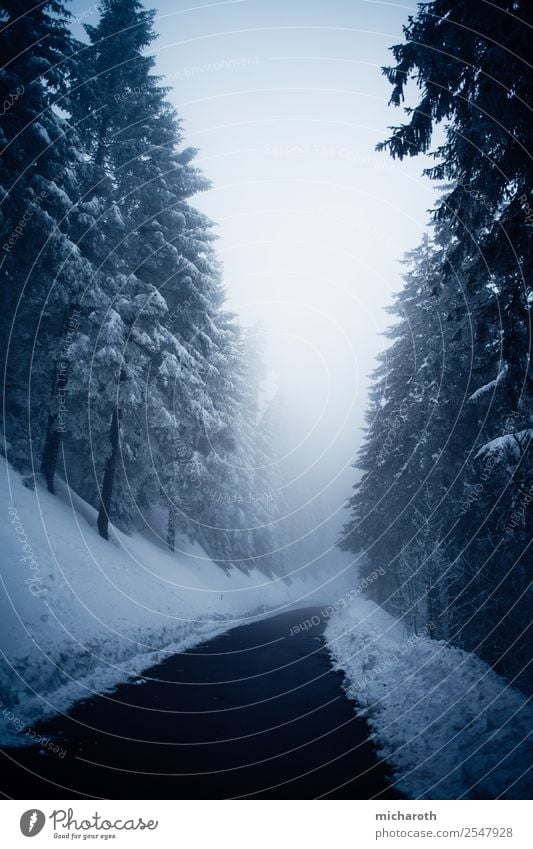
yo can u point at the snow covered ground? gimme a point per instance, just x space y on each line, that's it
450 726
78 614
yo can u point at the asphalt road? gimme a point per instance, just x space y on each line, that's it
254 713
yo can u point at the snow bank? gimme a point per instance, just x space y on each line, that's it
80 614
450 727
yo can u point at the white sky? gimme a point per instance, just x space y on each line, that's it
285 101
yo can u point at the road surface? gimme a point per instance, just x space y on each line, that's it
254 713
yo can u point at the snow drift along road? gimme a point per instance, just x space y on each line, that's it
450 726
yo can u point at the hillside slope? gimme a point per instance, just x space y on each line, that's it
80 614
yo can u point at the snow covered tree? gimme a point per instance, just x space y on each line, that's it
402 456
121 349
177 367
473 463
236 501
42 271
482 89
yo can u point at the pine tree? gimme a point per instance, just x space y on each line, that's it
402 459
41 269
139 178
482 88
121 320
481 443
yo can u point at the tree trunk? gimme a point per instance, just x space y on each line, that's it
171 528
109 477
101 146
50 455
433 597
55 430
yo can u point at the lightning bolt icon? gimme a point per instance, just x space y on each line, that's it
33 820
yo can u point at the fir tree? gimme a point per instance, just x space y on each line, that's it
444 494
42 271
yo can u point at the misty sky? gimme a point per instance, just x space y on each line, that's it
285 102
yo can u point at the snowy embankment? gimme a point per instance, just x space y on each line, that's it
450 727
79 614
